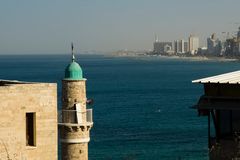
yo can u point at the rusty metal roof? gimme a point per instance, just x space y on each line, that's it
228 78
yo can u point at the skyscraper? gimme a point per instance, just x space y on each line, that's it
186 48
213 45
238 34
193 42
162 47
179 46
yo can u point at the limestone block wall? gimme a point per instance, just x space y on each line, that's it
15 101
75 151
74 92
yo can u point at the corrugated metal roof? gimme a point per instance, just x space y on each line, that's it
230 78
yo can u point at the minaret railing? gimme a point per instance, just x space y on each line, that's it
89 115
75 117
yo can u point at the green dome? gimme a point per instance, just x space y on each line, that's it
73 71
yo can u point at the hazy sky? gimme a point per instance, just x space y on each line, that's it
49 26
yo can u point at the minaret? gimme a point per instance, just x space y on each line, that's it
75 120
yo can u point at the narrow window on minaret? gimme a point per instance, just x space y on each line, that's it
31 129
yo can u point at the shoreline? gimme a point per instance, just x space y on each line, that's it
201 58
192 58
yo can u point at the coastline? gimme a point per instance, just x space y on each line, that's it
201 58
190 58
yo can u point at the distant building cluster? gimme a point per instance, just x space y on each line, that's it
229 47
214 45
232 45
176 47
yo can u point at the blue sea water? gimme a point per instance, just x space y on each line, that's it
141 104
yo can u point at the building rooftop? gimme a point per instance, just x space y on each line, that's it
227 78
4 82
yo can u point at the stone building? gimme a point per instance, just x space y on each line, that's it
28 120
75 121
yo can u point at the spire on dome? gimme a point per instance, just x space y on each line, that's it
73 71
73 57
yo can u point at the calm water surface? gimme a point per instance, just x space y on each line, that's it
141 105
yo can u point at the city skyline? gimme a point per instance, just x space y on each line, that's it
50 26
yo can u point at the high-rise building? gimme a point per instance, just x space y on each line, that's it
238 34
193 42
167 48
186 47
179 46
213 45
233 46
162 47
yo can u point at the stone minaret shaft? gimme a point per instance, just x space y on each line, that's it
76 119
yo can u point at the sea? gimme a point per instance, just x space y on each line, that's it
142 105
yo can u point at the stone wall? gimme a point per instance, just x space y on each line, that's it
15 101
75 151
74 92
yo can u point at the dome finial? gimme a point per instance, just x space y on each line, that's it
73 71
73 57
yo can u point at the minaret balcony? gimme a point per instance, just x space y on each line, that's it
75 118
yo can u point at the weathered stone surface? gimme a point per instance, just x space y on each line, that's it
74 92
75 151
15 101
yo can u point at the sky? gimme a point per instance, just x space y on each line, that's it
49 26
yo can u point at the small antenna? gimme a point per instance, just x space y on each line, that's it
73 57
